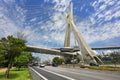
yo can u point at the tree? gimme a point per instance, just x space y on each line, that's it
23 59
115 58
68 60
111 58
58 60
2 56
61 60
12 47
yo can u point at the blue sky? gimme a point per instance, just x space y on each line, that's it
43 24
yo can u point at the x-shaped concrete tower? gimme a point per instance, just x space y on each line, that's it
83 46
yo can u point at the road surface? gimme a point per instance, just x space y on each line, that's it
48 75
58 73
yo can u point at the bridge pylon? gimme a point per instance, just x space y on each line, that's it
85 49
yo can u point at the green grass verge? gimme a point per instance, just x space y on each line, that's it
105 68
108 68
22 74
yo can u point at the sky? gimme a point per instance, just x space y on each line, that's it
42 22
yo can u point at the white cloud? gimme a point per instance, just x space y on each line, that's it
99 33
53 31
34 19
8 28
111 3
107 52
46 0
116 14
82 8
61 5
99 26
95 52
8 25
9 1
103 7
94 3
106 9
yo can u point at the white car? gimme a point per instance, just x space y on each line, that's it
42 65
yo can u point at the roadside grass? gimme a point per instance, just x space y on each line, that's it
15 74
105 68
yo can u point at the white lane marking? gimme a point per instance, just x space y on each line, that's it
38 74
57 74
83 74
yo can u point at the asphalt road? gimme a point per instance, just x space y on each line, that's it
50 75
76 74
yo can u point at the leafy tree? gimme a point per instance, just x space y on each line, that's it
2 56
58 60
12 47
23 59
115 58
61 60
68 60
111 58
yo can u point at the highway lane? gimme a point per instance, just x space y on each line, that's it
50 75
84 74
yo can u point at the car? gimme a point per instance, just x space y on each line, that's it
54 65
42 65
93 64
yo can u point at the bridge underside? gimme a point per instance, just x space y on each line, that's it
62 51
48 51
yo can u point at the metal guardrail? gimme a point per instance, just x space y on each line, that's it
35 75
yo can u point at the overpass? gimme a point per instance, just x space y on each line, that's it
63 51
106 48
52 51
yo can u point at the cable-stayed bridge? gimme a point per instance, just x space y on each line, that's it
83 47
